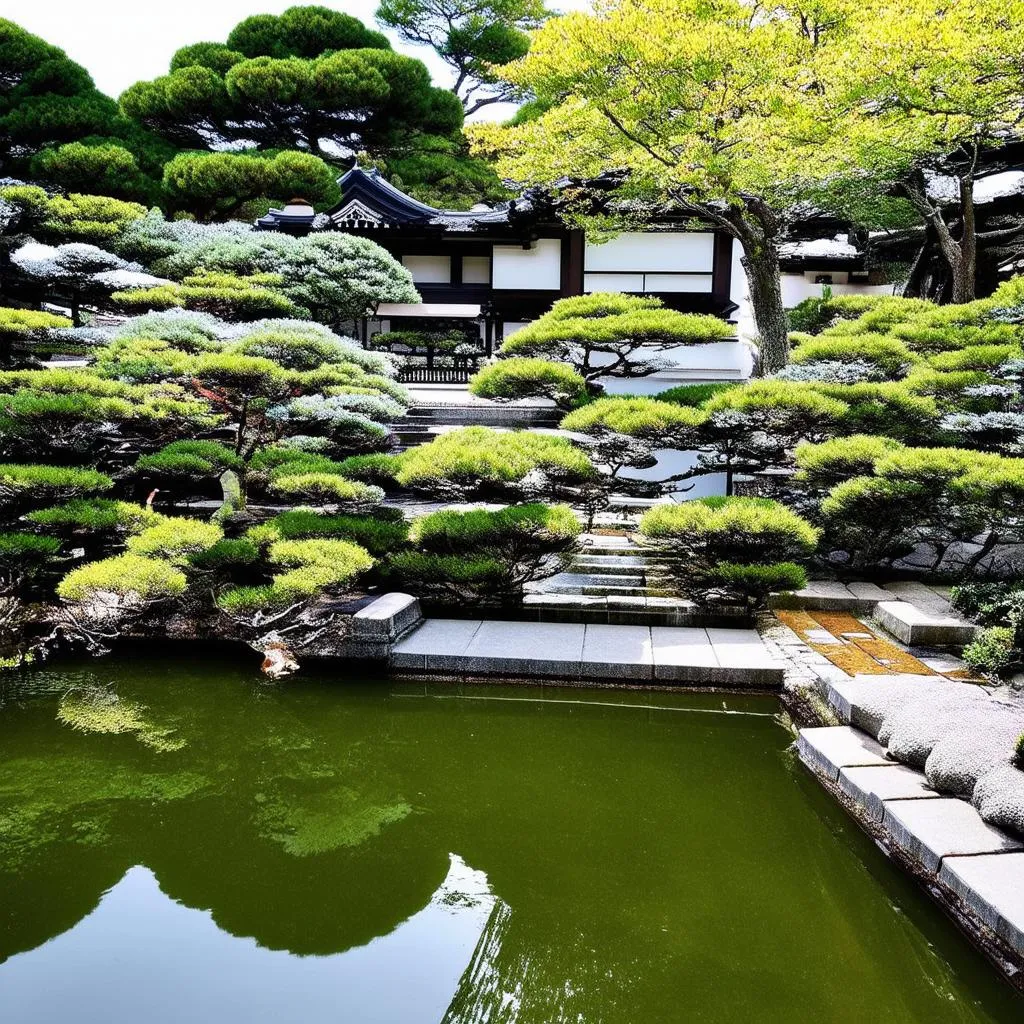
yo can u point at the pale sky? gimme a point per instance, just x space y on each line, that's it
122 41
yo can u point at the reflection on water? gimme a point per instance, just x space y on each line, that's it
141 955
180 841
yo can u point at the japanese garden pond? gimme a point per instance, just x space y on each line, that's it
182 841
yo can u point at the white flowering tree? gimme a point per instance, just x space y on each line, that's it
78 273
330 277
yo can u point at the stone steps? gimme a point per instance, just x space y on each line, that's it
640 610
981 866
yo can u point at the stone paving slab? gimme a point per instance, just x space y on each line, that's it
441 639
992 886
530 648
828 749
921 626
931 830
617 652
865 591
871 786
742 651
920 595
683 653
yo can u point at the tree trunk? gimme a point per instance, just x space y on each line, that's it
756 227
961 255
964 275
762 269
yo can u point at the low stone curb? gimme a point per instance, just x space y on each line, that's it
943 839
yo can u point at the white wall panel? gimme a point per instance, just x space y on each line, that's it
613 282
476 270
538 269
653 251
677 282
429 269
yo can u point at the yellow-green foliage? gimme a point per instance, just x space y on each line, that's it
50 482
510 379
778 398
764 530
477 454
317 563
976 357
129 576
20 323
175 539
842 457
891 356
637 417
75 217
327 487
229 295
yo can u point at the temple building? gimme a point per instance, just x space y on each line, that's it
494 269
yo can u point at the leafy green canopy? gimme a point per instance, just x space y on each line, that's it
219 185
471 37
738 548
484 556
478 456
611 335
73 218
311 79
52 117
510 379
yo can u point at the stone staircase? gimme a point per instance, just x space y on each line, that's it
612 579
423 423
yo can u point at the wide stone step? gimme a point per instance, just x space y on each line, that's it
589 651
651 611
921 626
588 566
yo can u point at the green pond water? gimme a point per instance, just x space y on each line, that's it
181 841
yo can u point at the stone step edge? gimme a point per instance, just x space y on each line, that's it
968 907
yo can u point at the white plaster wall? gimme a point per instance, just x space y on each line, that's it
476 270
795 288
429 269
716 360
652 251
537 269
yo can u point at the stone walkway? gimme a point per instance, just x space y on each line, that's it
855 647
589 652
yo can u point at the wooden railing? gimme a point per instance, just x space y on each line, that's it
435 375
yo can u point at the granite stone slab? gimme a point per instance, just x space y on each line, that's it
743 659
872 785
914 625
992 886
386 618
683 654
617 652
827 749
443 641
931 830
525 648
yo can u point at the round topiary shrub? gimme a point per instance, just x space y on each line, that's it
731 548
175 539
637 417
841 458
509 379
